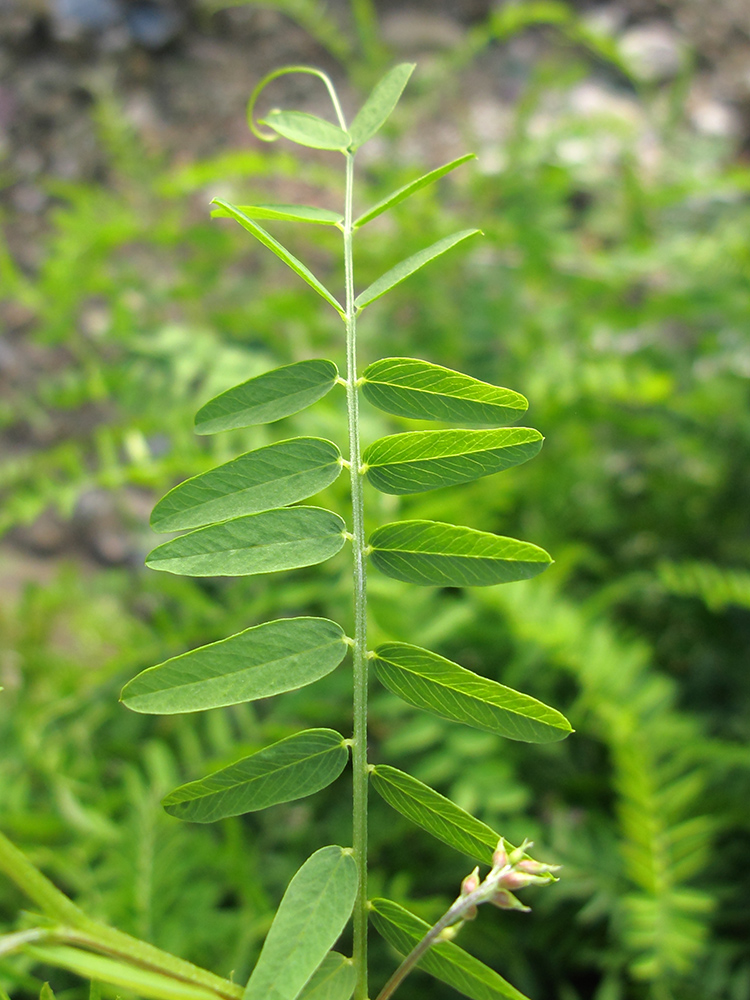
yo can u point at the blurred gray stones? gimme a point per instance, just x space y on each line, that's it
653 51
116 23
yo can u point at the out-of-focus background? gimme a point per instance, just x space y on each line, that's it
611 288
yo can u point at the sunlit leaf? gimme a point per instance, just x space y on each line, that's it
290 769
408 387
310 918
267 397
431 682
431 553
407 267
408 189
258 543
379 105
434 813
334 979
274 476
425 460
281 252
307 130
288 213
133 978
260 662
445 960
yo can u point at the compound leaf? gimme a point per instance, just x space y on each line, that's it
281 251
290 769
378 107
267 397
431 553
262 661
408 189
313 913
445 960
334 979
406 267
431 682
257 543
287 213
426 460
408 387
434 813
274 476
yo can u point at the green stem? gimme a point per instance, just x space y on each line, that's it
83 930
452 915
359 736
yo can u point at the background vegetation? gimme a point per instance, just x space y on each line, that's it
611 288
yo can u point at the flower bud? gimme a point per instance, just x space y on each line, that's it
505 900
470 883
500 857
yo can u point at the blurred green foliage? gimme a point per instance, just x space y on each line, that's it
612 287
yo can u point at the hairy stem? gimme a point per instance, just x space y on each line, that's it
359 745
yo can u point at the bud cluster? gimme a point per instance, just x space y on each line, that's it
511 870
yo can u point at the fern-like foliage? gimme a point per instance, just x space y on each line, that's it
662 916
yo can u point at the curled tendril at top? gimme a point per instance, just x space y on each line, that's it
269 77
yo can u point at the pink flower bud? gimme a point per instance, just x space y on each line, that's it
500 857
536 867
470 883
505 900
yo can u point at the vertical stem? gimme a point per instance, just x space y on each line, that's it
359 744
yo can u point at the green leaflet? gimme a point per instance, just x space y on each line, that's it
281 252
274 476
408 387
99 968
379 105
425 460
313 913
406 267
290 769
334 979
288 213
408 189
307 130
267 397
431 682
434 813
448 555
260 662
445 960
257 543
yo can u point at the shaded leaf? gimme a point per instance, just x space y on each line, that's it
379 105
431 553
281 252
262 661
431 682
406 267
408 387
445 960
290 769
408 189
426 460
434 813
288 213
311 916
334 979
307 130
274 476
258 543
267 397
142 982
